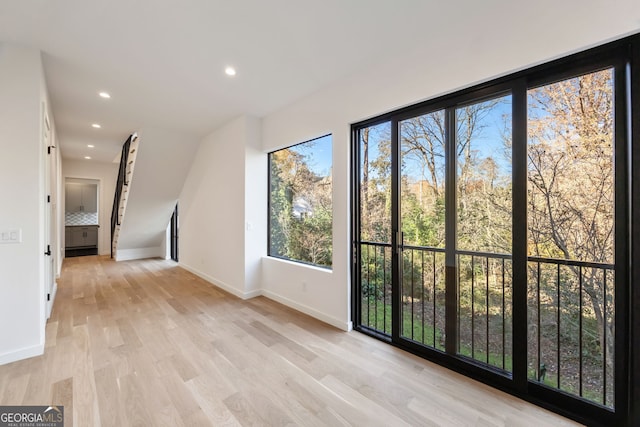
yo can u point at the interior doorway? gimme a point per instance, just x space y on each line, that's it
81 218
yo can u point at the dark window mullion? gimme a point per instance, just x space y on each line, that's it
451 275
623 144
356 261
634 295
396 227
519 240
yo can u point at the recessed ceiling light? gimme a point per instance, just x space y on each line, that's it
90 145
230 71
95 125
104 95
87 157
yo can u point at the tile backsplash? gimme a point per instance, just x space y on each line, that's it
81 218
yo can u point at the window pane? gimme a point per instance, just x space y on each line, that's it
300 217
423 179
422 186
483 165
375 183
484 219
571 218
374 144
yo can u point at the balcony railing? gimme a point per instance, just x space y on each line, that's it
570 312
376 286
571 327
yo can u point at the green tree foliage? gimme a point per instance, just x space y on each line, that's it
571 206
570 216
301 209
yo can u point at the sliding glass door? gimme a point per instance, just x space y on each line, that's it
571 236
375 242
422 221
490 234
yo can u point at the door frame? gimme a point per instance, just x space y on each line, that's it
50 242
63 210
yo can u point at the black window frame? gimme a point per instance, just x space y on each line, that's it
269 254
624 56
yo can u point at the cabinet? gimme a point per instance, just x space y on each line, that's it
81 237
81 197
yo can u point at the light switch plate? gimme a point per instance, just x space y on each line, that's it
11 236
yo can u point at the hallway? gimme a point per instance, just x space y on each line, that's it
148 343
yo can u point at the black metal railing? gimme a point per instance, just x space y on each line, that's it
121 183
570 314
423 295
484 307
375 292
571 319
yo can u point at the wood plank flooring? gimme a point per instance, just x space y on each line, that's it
146 343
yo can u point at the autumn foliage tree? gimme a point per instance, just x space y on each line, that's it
571 190
570 214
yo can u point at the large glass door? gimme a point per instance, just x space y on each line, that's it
425 204
571 211
491 234
423 224
483 231
455 209
374 247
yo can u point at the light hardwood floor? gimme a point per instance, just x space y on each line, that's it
146 343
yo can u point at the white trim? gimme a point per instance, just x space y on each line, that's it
220 284
338 323
25 353
139 253
294 263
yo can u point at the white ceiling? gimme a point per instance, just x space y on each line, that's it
163 60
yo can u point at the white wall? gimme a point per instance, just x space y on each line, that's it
223 218
414 73
22 299
161 165
318 292
255 206
212 223
107 175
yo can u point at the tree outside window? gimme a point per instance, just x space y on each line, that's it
300 207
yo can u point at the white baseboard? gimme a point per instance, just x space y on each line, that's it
253 294
219 283
338 323
25 353
139 253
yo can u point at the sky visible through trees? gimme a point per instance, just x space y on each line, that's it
570 230
300 217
